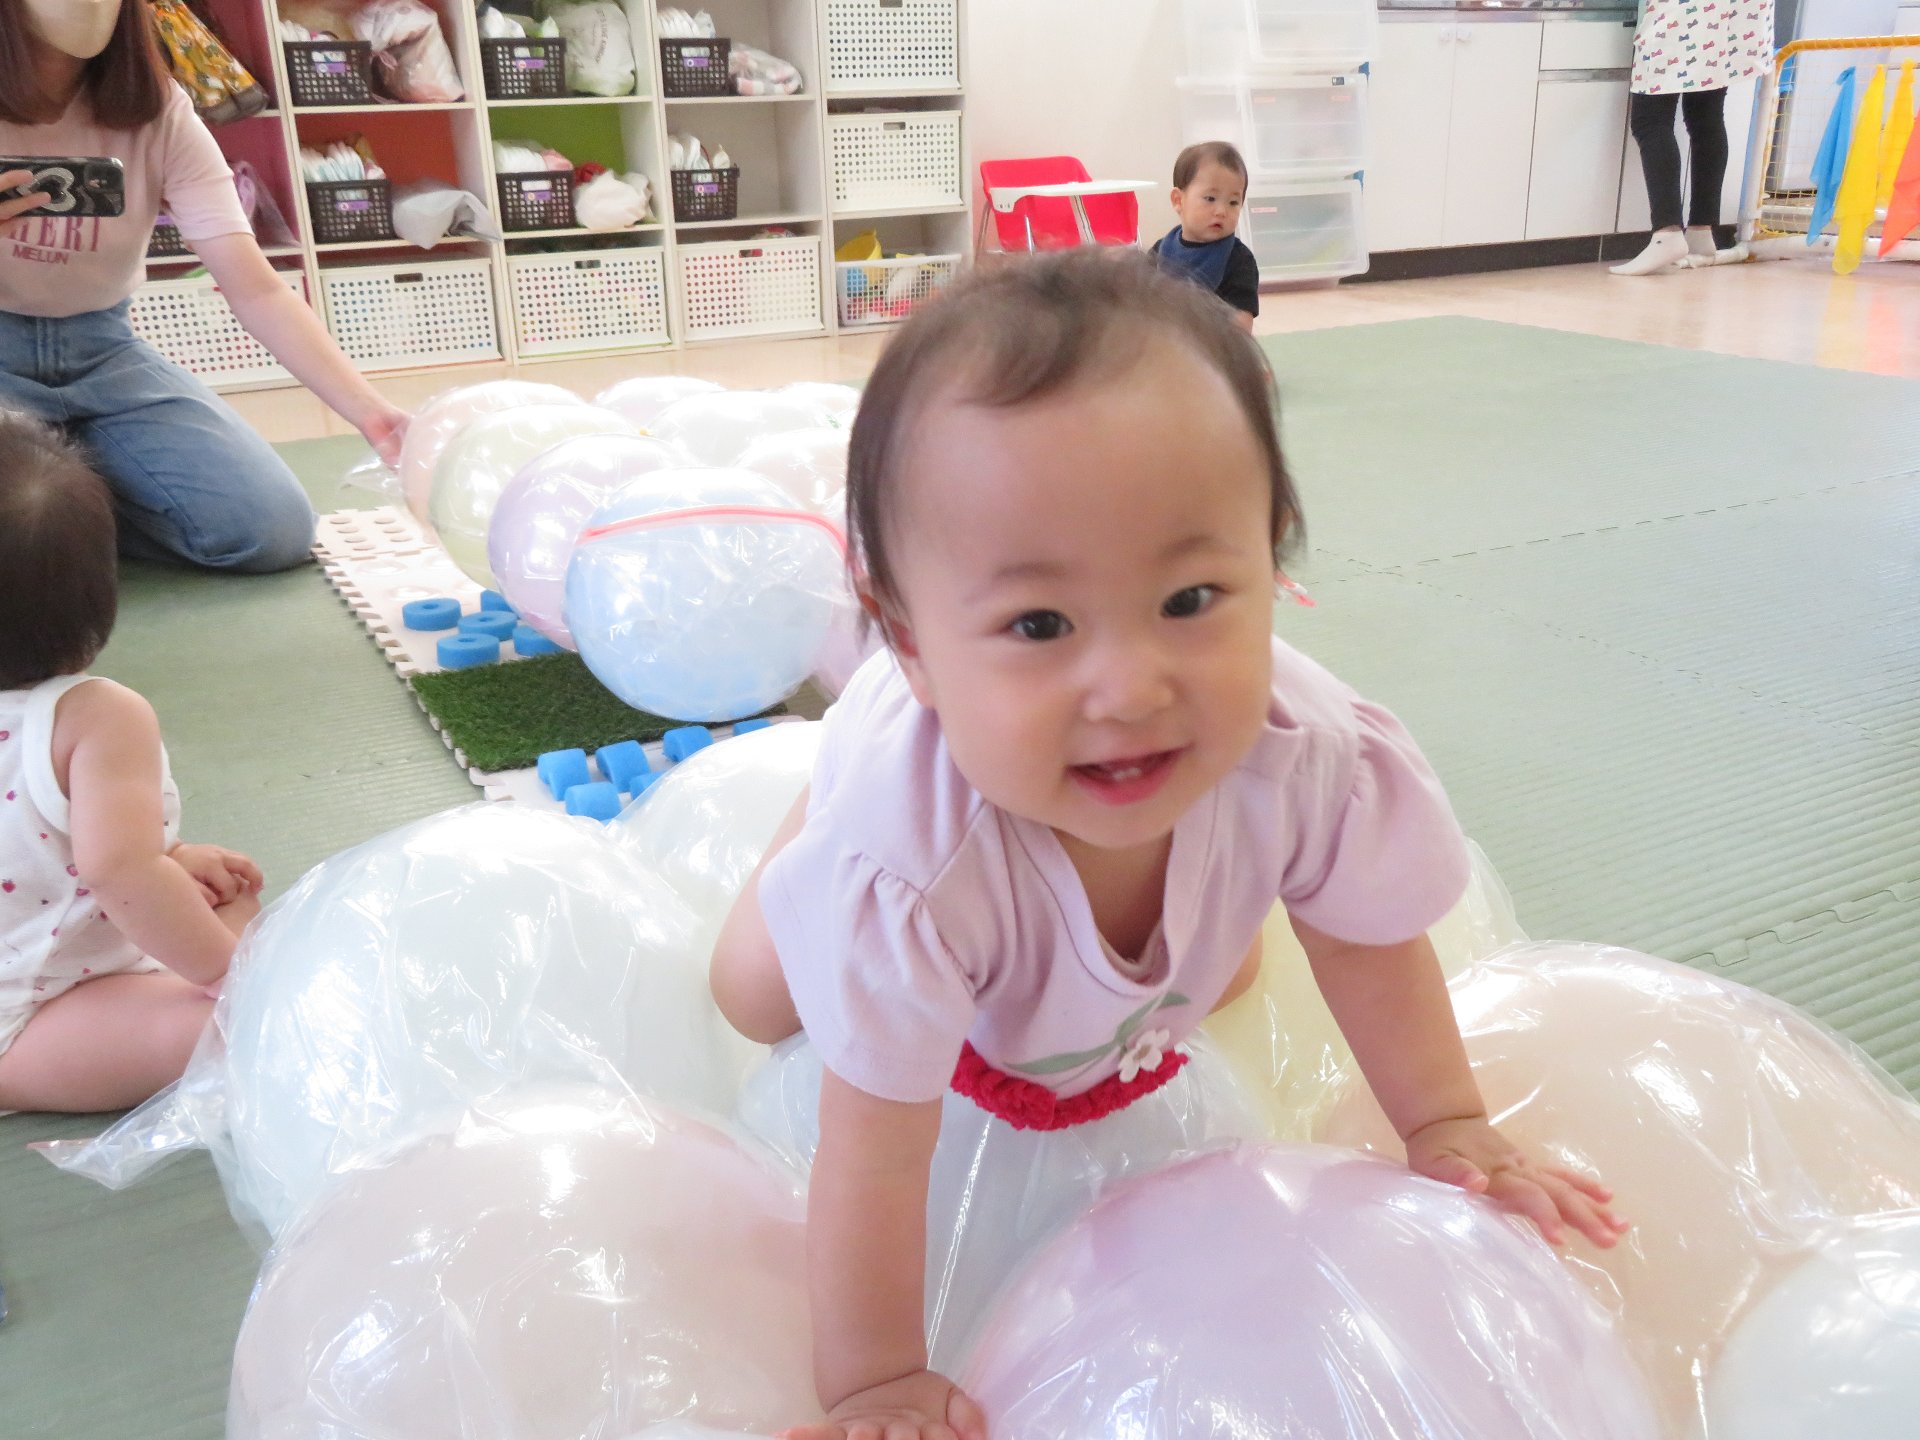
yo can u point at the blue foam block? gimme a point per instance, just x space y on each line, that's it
494 600
597 800
464 651
438 613
621 762
561 770
679 744
644 783
488 622
529 641
747 727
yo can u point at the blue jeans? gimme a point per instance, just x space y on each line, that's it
191 480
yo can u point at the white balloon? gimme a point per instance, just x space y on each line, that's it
1833 1349
444 416
716 428
641 399
810 465
841 402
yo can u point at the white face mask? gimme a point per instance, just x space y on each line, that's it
80 28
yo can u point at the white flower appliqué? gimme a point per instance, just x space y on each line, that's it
1147 1051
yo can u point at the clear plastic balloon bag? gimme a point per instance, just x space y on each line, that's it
704 595
1292 1291
996 1193
718 426
375 475
396 982
446 414
1281 1037
1739 1135
554 1262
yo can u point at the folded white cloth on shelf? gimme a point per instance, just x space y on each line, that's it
676 24
428 211
599 46
514 157
685 152
612 202
755 72
339 161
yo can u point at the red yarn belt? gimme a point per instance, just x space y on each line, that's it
1027 1106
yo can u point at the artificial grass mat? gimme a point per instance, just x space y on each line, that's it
505 717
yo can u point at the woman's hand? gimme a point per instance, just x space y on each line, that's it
386 431
920 1406
1472 1154
20 204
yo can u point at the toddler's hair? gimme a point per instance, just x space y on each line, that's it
59 582
1023 330
1208 152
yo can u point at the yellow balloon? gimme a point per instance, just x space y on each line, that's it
1280 1037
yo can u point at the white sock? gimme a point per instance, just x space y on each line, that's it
1700 240
1664 251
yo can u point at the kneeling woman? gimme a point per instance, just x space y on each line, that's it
191 481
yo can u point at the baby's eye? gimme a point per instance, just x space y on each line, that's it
1040 625
1190 601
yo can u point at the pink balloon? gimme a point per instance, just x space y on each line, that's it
545 507
1735 1132
443 417
1289 1290
556 1263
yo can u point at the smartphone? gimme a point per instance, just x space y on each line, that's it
73 185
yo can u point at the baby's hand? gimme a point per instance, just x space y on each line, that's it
223 875
1477 1157
920 1406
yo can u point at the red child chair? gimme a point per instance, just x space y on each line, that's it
1052 203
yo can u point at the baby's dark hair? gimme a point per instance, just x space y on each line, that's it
59 582
1021 331
1210 152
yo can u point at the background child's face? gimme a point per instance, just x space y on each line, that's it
1209 208
1087 594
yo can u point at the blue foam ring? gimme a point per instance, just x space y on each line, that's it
747 727
597 800
438 612
622 762
488 622
561 770
494 600
463 651
679 744
644 783
529 641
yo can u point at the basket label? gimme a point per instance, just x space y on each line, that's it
332 63
696 62
706 187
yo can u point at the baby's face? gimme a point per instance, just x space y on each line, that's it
1087 586
1209 208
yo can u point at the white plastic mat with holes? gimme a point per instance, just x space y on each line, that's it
378 560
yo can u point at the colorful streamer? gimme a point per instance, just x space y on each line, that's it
1830 165
1860 182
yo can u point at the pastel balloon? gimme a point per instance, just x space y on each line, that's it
810 465
544 508
486 454
702 594
716 428
641 399
1282 1039
839 401
1735 1131
1832 1349
561 1263
443 417
1282 1290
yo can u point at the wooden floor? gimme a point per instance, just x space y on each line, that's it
1793 310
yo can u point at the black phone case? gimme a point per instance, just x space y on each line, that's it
73 185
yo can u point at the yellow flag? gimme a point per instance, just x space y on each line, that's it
1893 144
1860 182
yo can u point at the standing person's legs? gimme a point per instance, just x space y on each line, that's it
1705 112
191 480
1651 118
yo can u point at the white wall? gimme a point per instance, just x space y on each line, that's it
1091 78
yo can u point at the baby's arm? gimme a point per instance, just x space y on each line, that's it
1392 1005
866 1261
106 743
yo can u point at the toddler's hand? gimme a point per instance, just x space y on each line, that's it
1477 1157
223 875
920 1406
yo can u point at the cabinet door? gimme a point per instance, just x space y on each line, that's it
1496 68
1409 95
1579 139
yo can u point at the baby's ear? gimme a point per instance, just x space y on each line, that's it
898 635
